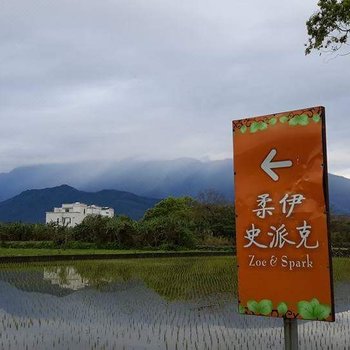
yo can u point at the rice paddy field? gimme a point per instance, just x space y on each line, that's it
165 303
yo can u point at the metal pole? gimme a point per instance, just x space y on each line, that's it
290 333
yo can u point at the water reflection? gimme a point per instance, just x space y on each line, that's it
173 279
65 277
144 304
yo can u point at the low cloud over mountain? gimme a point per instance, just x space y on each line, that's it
155 179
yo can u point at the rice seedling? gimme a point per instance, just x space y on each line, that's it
168 303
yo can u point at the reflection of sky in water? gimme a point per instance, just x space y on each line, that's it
58 308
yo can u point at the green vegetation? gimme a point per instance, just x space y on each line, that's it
168 303
341 269
172 278
329 27
172 224
60 251
340 231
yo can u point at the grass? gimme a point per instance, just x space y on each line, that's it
46 251
172 278
49 251
341 269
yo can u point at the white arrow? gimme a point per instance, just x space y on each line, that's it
267 165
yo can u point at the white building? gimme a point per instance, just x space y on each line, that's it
67 278
73 214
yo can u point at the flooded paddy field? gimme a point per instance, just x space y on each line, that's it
166 303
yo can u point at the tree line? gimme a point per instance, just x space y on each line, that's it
340 231
208 220
171 223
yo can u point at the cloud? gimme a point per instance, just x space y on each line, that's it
155 79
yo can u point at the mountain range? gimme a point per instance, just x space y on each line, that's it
157 179
31 205
148 180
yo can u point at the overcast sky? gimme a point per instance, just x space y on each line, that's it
112 79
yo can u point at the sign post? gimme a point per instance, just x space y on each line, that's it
290 327
282 218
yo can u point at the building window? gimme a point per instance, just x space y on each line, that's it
67 210
66 221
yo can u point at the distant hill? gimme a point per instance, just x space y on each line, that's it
31 205
339 194
155 179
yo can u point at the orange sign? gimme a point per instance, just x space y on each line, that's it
281 200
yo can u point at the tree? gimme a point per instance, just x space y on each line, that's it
329 27
171 222
169 206
215 215
93 229
122 230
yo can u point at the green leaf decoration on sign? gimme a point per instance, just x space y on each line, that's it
322 311
243 129
313 310
305 310
273 121
241 309
316 118
253 306
263 307
303 119
314 302
283 119
293 121
254 127
282 308
262 126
